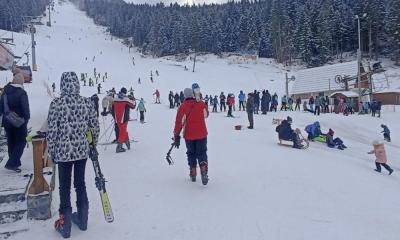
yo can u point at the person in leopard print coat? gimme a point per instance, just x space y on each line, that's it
70 118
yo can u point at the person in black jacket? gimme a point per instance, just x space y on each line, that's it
285 132
171 99
16 137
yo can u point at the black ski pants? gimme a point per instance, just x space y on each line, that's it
222 105
297 107
230 111
196 152
241 106
378 166
250 116
64 177
171 104
317 110
215 109
141 116
16 142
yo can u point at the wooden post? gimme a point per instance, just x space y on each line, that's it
39 184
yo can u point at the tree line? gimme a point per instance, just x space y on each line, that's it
13 12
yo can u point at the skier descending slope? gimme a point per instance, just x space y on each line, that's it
191 119
68 146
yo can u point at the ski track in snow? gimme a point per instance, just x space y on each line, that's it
257 189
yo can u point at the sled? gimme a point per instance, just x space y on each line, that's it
303 141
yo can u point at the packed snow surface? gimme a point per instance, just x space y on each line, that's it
257 189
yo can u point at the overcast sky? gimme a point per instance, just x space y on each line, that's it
179 1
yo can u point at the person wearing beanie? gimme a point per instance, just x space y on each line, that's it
121 106
380 155
190 119
17 101
332 143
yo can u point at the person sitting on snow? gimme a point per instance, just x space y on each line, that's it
285 132
313 130
386 132
332 143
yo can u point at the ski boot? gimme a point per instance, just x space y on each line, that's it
391 171
193 174
204 172
80 218
63 224
120 149
128 144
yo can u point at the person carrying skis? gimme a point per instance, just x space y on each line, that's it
171 99
242 99
157 94
68 146
142 109
230 102
122 105
386 132
190 118
250 110
222 103
380 154
285 132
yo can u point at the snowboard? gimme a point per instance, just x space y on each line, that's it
101 185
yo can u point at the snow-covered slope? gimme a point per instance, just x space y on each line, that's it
257 189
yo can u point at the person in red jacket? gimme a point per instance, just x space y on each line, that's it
121 107
230 101
191 119
157 93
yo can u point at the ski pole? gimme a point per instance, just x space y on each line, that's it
168 157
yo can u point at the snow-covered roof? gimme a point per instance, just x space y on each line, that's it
349 94
390 90
322 79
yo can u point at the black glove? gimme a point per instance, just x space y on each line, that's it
177 141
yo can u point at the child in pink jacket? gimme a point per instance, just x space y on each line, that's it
380 154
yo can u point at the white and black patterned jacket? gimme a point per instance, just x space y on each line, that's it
69 120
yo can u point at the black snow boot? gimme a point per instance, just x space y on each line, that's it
63 224
120 149
128 144
204 173
193 174
390 171
80 218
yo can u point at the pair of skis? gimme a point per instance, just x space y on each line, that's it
101 185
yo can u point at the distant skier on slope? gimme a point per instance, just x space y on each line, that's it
142 109
190 118
157 94
69 149
121 106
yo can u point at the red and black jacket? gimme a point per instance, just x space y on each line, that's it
121 107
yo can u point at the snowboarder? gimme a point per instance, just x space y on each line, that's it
285 132
142 109
18 103
250 110
242 100
222 103
386 132
53 86
157 94
73 153
121 106
99 88
171 99
190 118
380 154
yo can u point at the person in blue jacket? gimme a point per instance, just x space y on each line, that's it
332 143
313 130
242 100
386 132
